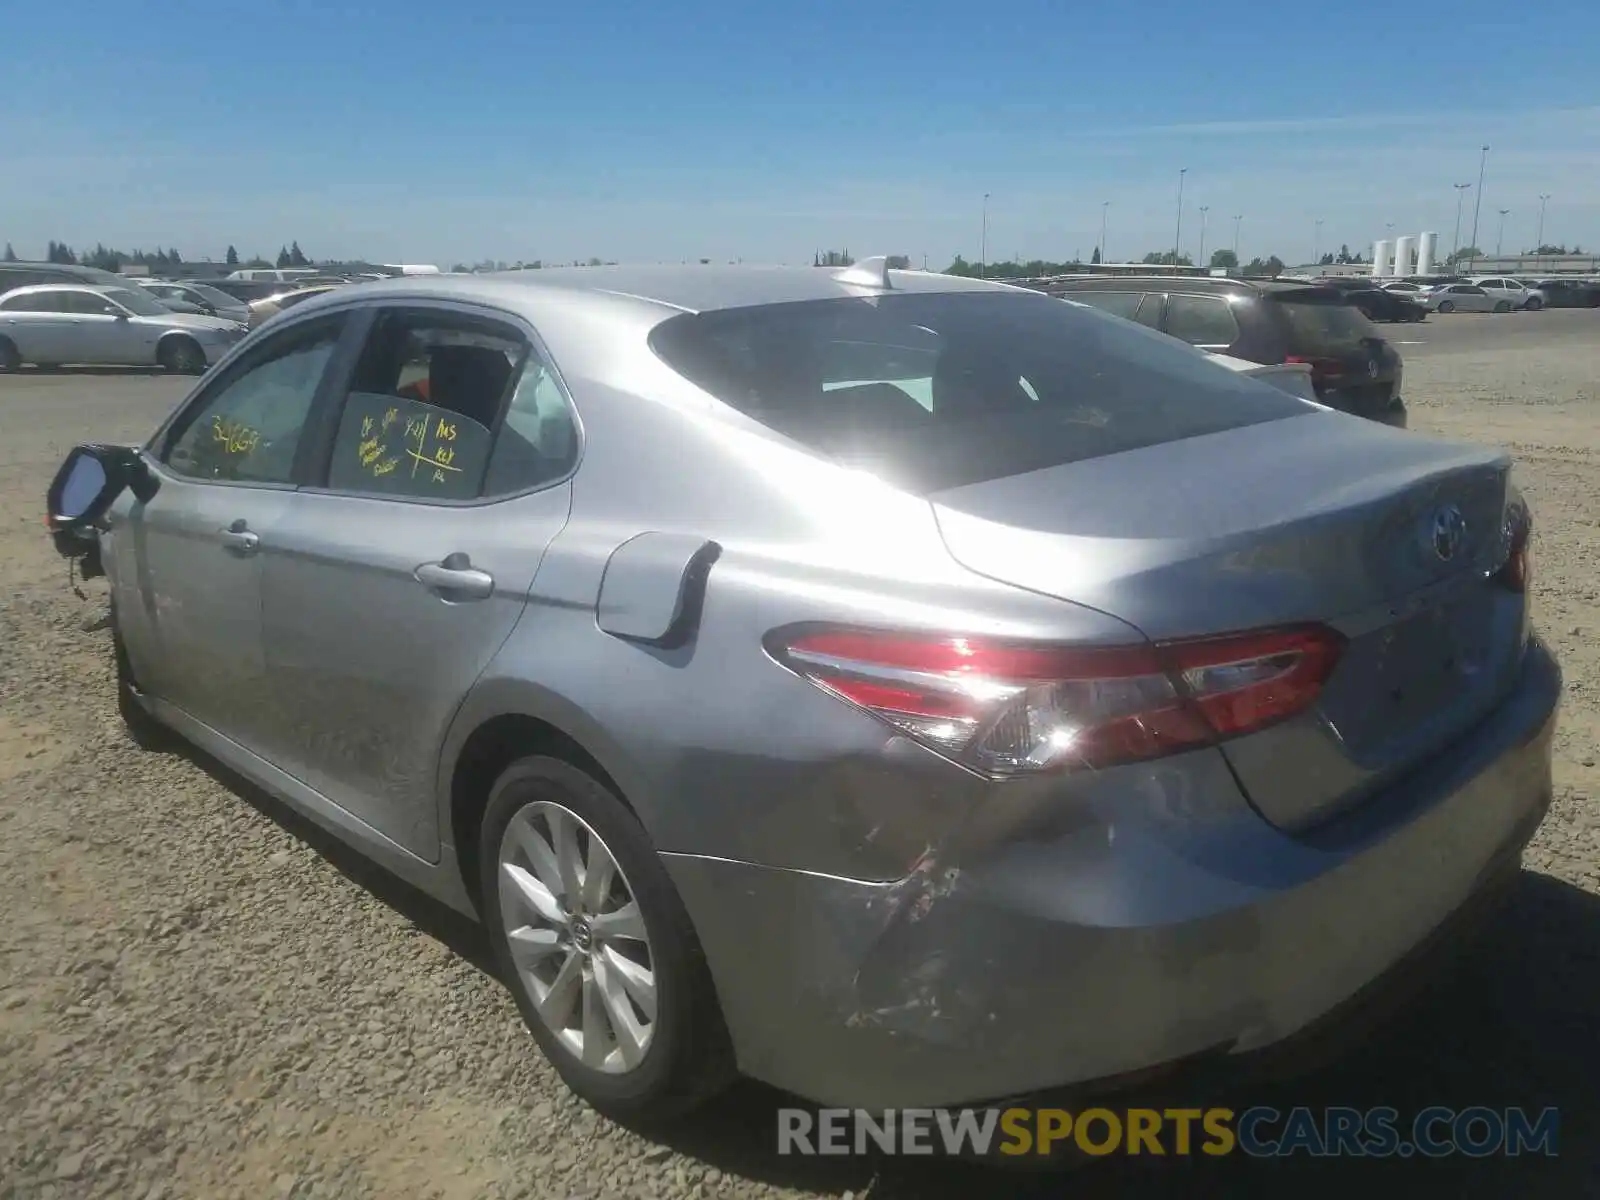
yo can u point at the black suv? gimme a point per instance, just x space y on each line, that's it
1266 321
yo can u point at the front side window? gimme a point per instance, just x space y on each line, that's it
86 304
26 302
247 428
450 406
1012 382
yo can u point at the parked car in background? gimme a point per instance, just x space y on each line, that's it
1462 297
202 296
268 307
729 686
1509 294
247 290
1355 369
1569 293
272 274
56 324
1380 304
25 274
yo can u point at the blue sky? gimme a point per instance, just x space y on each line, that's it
420 132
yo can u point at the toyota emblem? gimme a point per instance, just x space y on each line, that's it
1449 531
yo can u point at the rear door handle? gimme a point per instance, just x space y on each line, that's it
455 578
239 539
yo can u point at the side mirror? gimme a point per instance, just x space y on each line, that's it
91 477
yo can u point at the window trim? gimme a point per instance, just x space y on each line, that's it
160 443
319 448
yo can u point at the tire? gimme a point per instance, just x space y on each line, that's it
1535 304
1447 306
1502 306
181 355
686 1057
10 357
144 731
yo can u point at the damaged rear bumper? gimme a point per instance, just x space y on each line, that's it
1109 950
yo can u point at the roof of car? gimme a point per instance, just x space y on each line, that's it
682 288
85 286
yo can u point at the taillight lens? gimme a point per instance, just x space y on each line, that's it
1517 571
1007 708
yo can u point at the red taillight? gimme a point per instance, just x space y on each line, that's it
1321 367
1005 708
1518 568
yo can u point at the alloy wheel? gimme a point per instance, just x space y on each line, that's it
577 937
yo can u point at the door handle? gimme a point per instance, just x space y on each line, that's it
455 578
239 539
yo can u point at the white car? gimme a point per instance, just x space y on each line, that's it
52 324
1294 378
1509 294
1461 297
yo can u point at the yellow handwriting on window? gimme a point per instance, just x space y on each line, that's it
387 465
417 427
370 451
444 456
366 426
446 430
438 476
235 436
390 417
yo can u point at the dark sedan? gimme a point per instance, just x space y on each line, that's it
1569 293
1381 305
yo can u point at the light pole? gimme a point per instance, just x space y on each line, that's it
1500 235
1461 191
1105 205
1538 241
1200 259
1477 201
1178 236
983 241
1236 220
1316 246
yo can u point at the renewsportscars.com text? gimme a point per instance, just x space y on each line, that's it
1259 1132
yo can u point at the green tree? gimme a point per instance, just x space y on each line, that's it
1094 259
1224 260
231 258
899 262
11 255
1325 261
1272 266
283 258
296 258
1164 258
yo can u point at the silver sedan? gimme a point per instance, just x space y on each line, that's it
89 324
1459 297
906 690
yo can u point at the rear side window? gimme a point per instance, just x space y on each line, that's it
1118 304
1202 320
447 406
1321 325
934 391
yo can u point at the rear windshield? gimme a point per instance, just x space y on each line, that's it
1323 324
933 391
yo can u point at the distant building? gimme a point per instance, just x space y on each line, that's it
1531 264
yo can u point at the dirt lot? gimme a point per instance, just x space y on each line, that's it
200 996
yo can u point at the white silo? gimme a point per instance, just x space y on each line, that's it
1404 249
1427 251
1380 258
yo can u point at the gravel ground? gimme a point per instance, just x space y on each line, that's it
202 996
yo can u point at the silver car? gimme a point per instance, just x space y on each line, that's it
201 296
905 690
1460 297
1509 294
85 324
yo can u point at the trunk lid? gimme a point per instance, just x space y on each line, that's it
1311 519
